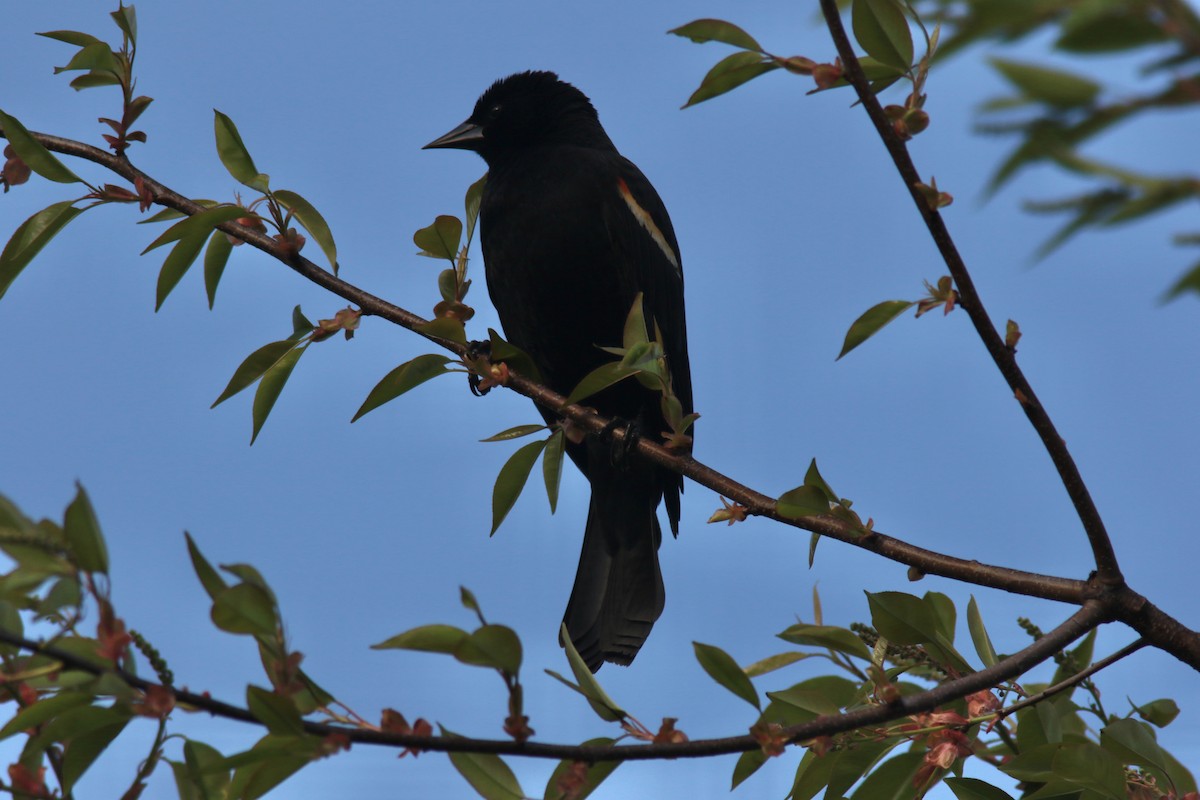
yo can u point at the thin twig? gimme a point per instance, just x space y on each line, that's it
1075 626
1075 679
1107 569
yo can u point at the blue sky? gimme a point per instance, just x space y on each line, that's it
791 223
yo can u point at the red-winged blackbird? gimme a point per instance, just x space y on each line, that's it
571 232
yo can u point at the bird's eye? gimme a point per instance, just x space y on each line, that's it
494 110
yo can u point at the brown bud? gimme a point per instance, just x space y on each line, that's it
917 120
826 76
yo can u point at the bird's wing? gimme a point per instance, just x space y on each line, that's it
643 236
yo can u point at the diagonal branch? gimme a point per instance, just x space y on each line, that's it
1107 569
1121 602
1078 624
926 561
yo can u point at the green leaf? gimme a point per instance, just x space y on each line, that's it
176 265
216 256
202 223
271 761
853 763
803 501
1053 87
440 240
301 325
87 731
514 433
93 80
717 30
407 376
1039 725
245 608
235 156
444 328
1106 28
599 379
30 237
812 477
94 57
472 202
813 701
197 772
448 285
487 774
1092 767
1032 763
552 462
1133 742
511 481
1079 658
604 706
515 357
126 19
312 221
82 530
944 614
975 789
45 709
721 667
253 367
882 29
1159 713
729 73
979 635
747 764
812 548
1188 282
891 780
772 663
596 773
495 646
427 639
210 579
34 154
871 321
901 618
76 38
276 712
839 639
271 385
634 331
813 774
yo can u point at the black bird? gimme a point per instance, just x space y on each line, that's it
571 231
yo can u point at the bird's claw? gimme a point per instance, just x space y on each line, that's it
477 351
621 448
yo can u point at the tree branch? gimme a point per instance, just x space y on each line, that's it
1107 569
927 561
1089 616
1157 627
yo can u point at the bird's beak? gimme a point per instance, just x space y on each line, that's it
467 136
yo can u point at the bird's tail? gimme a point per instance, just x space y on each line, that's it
618 592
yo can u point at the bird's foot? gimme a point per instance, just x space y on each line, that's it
478 355
621 448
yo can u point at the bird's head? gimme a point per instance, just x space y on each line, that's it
528 109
